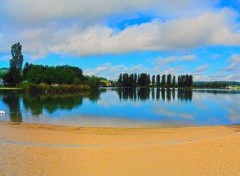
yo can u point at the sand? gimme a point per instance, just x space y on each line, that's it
30 149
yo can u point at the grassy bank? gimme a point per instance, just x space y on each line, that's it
45 88
11 88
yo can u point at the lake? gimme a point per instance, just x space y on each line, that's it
111 107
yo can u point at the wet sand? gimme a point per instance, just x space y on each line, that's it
30 149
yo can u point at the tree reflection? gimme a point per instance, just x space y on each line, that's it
143 94
12 100
51 103
185 94
44 102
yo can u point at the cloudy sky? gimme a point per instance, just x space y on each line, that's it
107 37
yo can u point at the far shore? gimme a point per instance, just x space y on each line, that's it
34 149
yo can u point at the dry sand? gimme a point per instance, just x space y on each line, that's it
29 149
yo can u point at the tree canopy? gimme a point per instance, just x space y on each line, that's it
52 75
14 75
145 80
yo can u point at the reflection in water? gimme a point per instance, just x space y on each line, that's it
144 94
51 103
185 94
12 100
102 108
38 103
217 91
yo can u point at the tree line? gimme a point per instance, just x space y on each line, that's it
214 84
145 80
52 75
44 74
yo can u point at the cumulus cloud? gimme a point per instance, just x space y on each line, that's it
202 68
234 63
161 61
110 71
211 28
94 10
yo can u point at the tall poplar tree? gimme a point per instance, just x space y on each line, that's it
14 75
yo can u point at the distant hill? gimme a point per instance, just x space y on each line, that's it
3 71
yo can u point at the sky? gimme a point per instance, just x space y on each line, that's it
108 37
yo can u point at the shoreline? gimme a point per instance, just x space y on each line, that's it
37 149
59 126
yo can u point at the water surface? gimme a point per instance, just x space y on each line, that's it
125 108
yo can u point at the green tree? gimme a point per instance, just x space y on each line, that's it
158 81
26 68
190 81
125 80
164 80
153 80
120 80
14 75
169 80
174 81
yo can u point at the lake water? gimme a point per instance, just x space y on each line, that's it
125 108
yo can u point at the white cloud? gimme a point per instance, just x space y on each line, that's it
112 72
234 63
202 68
219 76
229 73
161 61
179 34
188 58
164 61
94 10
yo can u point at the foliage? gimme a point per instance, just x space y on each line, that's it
52 75
144 80
185 81
153 80
164 80
169 80
45 88
215 84
92 81
14 76
134 80
158 83
3 72
174 81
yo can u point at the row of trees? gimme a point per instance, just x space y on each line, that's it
185 80
145 80
215 84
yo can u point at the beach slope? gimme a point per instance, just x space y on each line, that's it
31 149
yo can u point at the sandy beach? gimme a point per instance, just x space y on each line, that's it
31 149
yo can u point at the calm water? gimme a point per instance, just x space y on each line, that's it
125 108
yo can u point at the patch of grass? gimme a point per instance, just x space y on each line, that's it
10 88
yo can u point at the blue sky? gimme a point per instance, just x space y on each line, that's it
105 38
